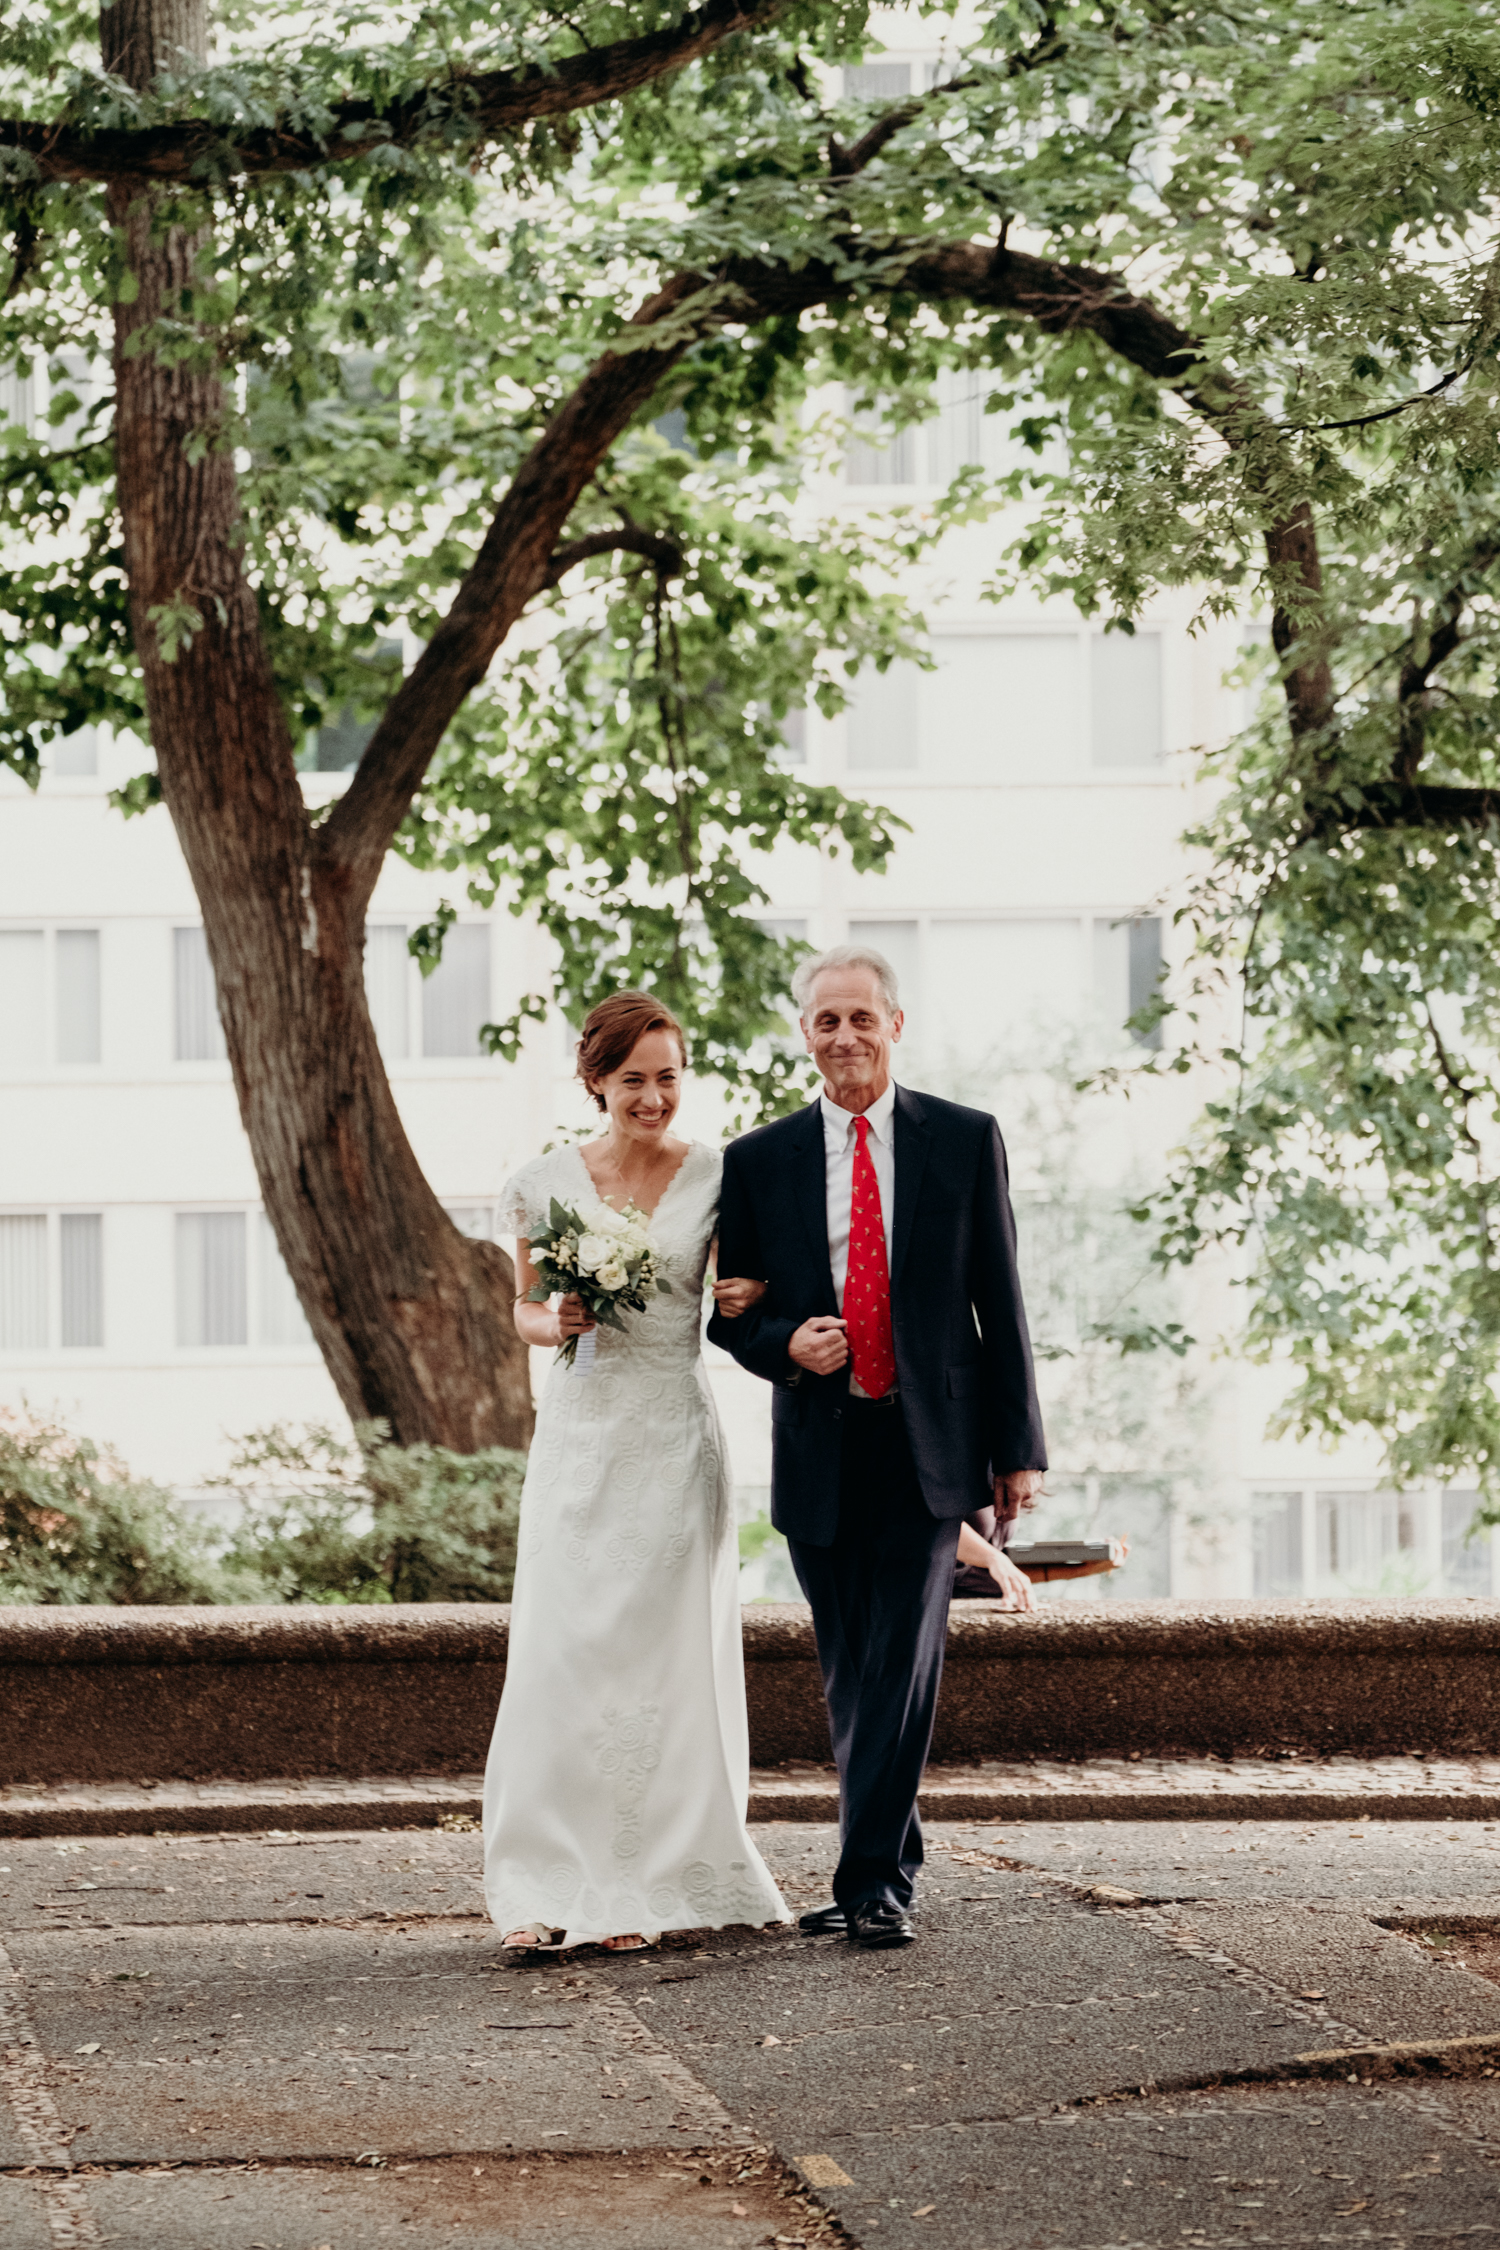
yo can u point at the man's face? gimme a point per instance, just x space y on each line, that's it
850 1033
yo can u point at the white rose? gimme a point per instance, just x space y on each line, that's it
611 1276
603 1220
635 1242
593 1251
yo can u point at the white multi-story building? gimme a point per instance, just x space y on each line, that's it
1042 770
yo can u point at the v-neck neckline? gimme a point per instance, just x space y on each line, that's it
654 1213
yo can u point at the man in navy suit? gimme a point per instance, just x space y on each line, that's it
903 1397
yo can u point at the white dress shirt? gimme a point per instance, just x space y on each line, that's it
839 1145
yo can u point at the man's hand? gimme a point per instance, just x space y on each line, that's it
820 1345
1017 1489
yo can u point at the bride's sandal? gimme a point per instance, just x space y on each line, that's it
633 1942
534 1937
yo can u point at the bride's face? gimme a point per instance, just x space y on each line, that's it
642 1095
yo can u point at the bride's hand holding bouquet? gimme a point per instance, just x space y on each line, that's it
600 1261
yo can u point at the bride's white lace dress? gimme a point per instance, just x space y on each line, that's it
619 1771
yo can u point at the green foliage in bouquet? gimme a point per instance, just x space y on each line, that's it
602 1256
327 1521
75 1527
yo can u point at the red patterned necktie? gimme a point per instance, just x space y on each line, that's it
867 1289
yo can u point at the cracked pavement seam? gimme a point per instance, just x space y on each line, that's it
23 2069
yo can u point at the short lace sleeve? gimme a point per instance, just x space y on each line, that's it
523 1199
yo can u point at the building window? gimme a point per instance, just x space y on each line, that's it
1125 726
76 995
1276 1543
81 1278
1362 1538
1468 1549
41 1270
75 754
49 997
476 1220
1004 707
388 975
883 719
900 942
877 82
200 1034
280 1320
793 750
23 1282
456 997
338 746
211 1295
23 997
959 435
998 992
1127 968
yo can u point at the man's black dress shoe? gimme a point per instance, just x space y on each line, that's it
877 1924
824 1921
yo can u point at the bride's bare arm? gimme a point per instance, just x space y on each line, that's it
544 1324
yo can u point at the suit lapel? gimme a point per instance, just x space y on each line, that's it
809 1171
913 1140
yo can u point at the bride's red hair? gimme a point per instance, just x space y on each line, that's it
613 1030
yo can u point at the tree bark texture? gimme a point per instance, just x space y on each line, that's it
413 1319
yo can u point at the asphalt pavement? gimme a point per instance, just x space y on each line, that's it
1157 2034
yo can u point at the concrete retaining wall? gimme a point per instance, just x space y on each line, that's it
192 1694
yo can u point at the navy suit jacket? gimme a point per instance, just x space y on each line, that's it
963 1357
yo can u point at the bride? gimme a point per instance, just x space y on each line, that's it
615 1795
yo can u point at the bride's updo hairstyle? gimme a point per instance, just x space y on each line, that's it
613 1030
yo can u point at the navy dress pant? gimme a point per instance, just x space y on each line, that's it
879 1599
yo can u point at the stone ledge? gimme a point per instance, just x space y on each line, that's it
251 1694
1330 1789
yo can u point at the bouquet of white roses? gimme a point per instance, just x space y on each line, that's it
603 1256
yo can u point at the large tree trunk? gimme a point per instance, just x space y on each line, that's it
413 1320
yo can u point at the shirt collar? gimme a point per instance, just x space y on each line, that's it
838 1124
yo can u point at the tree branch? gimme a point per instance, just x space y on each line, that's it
518 559
519 556
491 103
1401 804
1443 639
628 539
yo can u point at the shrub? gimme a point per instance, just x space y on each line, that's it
328 1521
75 1527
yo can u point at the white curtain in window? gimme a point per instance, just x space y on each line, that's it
388 974
1001 991
476 1220
23 999
200 1035
211 1277
955 438
883 719
877 82
1003 707
900 943
76 988
75 753
23 1282
456 997
81 1266
1125 682
280 1320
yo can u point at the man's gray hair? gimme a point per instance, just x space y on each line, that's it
845 957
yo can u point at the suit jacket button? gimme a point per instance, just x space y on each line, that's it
838 1414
